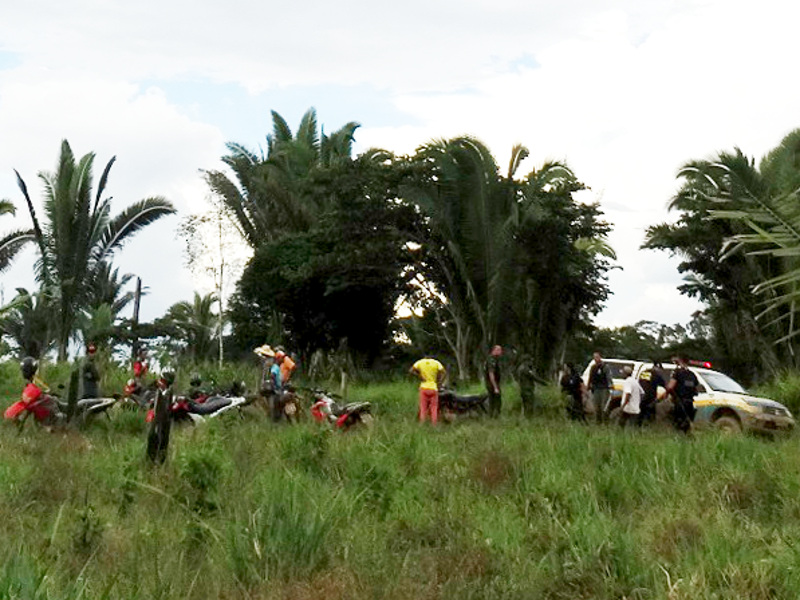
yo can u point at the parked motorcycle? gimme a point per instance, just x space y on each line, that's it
201 407
452 405
340 416
50 410
138 396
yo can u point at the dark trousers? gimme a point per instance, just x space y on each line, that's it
647 416
276 406
575 408
683 415
495 400
628 419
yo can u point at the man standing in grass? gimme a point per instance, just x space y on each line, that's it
492 373
599 385
683 388
631 398
432 374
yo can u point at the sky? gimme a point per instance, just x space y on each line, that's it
623 91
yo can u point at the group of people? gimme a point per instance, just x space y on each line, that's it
433 375
639 395
276 372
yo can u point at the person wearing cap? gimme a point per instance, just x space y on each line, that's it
271 382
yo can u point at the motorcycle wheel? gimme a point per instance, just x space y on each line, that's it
158 436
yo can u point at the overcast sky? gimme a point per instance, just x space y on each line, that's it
623 91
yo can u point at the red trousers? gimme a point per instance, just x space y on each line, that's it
428 402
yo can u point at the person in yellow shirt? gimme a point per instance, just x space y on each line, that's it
432 374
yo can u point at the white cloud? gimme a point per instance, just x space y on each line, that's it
624 91
158 150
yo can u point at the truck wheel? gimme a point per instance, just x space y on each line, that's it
728 425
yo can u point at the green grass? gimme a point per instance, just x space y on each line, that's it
514 508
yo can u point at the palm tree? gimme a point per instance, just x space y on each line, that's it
766 200
267 197
483 229
196 325
735 236
79 236
11 243
26 322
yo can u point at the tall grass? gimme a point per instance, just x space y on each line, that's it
509 508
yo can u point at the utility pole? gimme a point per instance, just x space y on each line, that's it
135 321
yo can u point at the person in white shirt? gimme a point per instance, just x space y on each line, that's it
631 397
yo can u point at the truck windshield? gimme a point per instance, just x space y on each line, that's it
719 382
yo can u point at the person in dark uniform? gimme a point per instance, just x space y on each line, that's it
600 386
572 386
492 376
90 375
650 380
683 388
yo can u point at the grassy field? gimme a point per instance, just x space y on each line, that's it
514 508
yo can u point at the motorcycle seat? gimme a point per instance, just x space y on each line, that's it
94 405
211 405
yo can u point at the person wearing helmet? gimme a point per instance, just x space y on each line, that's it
34 400
166 380
196 390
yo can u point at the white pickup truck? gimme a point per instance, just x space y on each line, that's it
721 401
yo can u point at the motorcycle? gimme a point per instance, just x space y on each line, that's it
452 405
49 410
340 416
201 407
137 396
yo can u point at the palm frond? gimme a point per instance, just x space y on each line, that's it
131 220
11 244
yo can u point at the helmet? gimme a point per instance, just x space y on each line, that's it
28 366
280 354
168 377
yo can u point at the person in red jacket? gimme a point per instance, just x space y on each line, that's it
34 399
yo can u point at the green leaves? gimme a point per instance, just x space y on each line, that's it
79 236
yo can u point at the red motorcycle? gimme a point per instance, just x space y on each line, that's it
341 416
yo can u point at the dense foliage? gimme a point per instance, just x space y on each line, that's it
478 258
736 235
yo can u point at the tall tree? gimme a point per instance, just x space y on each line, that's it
737 234
339 281
195 325
504 253
269 193
79 236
